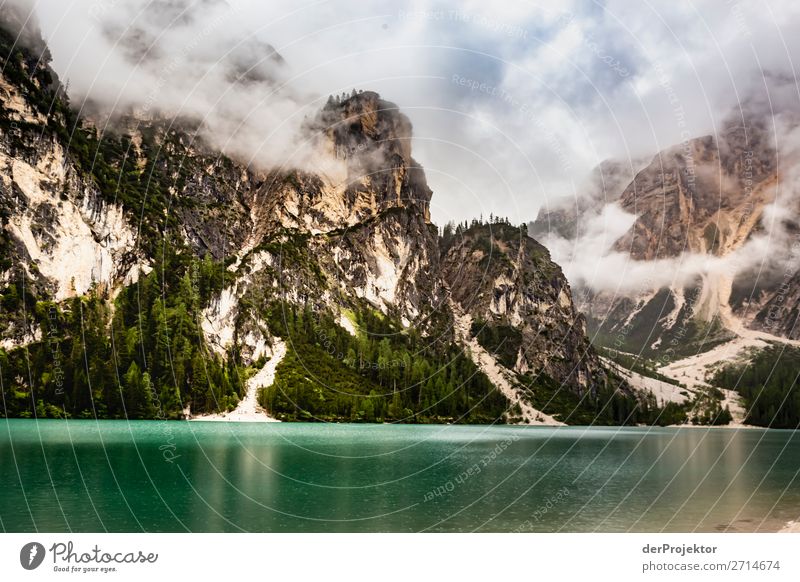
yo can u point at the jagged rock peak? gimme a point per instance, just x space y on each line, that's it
374 139
703 196
363 121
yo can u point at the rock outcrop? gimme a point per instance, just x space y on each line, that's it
508 284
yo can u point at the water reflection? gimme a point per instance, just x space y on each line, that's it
253 477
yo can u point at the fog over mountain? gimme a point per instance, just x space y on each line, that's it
598 254
511 109
261 290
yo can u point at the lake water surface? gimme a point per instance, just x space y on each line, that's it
83 475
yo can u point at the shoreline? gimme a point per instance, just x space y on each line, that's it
264 418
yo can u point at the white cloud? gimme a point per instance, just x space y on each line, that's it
586 82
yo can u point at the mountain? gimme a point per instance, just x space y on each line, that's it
712 225
604 186
711 196
704 196
145 274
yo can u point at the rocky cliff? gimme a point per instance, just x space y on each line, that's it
720 197
520 303
705 196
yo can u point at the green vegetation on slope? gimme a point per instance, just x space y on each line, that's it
384 373
503 341
706 408
145 358
687 337
637 363
768 386
605 406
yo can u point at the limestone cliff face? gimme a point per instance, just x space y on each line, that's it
604 186
506 281
374 140
363 168
368 235
705 196
58 231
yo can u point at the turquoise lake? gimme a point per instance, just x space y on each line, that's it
120 476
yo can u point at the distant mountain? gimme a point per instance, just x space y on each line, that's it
605 186
719 212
